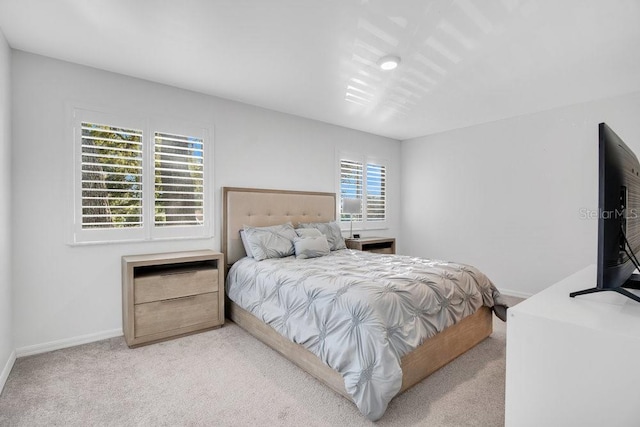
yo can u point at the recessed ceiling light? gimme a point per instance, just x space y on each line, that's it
389 62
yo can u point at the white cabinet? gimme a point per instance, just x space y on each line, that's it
573 361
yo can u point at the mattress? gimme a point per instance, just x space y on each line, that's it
360 312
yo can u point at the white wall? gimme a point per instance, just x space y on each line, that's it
64 294
7 356
506 196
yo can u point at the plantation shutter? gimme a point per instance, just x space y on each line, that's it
351 185
376 192
111 183
179 180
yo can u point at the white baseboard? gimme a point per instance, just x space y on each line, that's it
7 369
517 294
67 342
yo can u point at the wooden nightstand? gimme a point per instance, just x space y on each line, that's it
382 245
172 294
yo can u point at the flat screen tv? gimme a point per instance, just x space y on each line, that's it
618 216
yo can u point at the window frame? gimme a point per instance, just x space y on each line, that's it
149 127
362 223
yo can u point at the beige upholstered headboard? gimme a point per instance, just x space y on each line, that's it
260 207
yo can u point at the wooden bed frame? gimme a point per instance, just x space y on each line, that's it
260 207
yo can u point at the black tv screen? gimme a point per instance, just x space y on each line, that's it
618 215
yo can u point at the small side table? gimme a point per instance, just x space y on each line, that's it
381 245
171 294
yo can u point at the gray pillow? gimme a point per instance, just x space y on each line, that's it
270 242
311 247
247 248
332 232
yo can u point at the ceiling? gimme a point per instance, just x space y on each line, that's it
464 62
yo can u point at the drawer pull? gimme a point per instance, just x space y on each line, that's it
178 299
173 273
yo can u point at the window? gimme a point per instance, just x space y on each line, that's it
365 180
136 180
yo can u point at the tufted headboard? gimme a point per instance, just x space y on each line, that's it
260 207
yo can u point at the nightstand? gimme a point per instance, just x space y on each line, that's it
381 245
172 294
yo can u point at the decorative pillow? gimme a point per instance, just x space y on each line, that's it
331 230
308 232
311 247
270 242
247 248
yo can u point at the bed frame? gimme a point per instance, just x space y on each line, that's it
260 207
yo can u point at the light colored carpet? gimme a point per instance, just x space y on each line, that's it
227 377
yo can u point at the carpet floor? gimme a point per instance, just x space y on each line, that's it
226 377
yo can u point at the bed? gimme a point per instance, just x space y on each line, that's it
373 366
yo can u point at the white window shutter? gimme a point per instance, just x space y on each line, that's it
111 177
376 188
351 185
179 180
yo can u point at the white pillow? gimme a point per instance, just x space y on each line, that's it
308 232
270 242
331 230
311 247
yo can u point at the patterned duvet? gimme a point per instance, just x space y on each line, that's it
360 312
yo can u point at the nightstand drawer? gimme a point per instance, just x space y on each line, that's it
173 314
175 283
